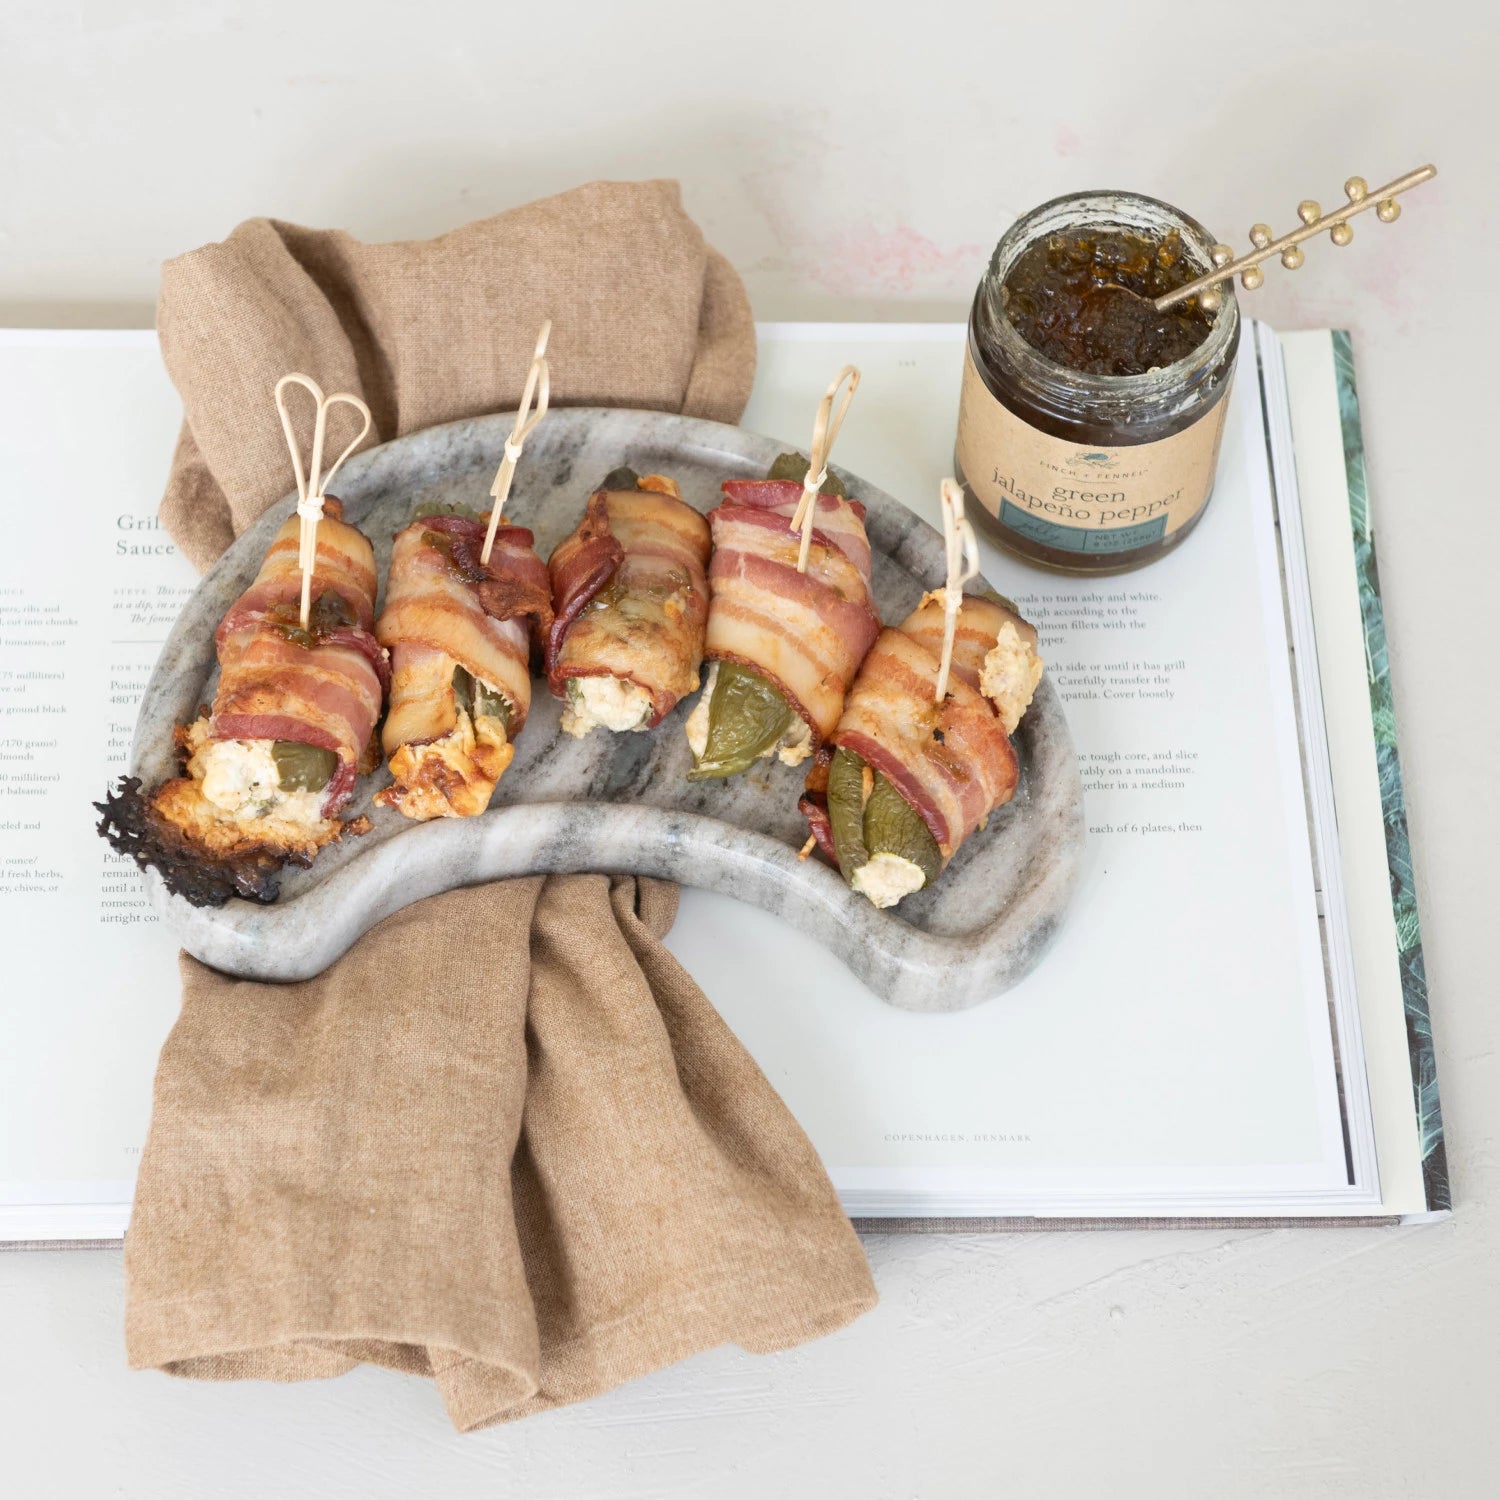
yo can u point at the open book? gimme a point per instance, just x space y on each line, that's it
1232 1023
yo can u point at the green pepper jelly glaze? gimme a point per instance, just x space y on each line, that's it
330 611
1084 298
886 823
462 555
1090 422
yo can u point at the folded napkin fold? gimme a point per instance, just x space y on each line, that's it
645 314
505 1142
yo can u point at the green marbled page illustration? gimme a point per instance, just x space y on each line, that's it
1393 802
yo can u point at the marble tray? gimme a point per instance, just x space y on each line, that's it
620 802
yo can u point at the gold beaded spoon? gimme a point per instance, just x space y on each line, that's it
1289 246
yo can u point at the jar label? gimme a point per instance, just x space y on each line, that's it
1083 499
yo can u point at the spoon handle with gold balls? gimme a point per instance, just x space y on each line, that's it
1314 221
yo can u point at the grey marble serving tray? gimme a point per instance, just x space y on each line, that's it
621 803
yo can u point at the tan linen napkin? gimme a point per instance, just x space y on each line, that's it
529 1179
645 314
505 1142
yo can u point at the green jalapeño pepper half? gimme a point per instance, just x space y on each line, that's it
302 768
476 699
794 466
746 718
882 823
623 478
429 508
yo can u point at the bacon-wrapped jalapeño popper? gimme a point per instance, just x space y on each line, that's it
905 780
630 601
784 645
291 727
460 632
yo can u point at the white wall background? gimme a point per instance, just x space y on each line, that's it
852 159
859 161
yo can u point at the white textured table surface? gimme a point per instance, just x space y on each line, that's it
858 161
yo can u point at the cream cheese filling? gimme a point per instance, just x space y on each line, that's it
456 748
613 703
1010 675
886 878
241 779
796 743
696 727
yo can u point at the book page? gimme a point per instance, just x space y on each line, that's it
1171 1052
89 584
1174 1043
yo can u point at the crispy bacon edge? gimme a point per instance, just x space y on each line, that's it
514 582
581 564
131 825
813 803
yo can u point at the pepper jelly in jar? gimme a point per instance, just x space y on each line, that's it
1089 426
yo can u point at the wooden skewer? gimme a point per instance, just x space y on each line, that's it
538 384
825 430
1314 221
962 547
312 484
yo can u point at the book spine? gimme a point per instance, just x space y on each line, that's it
1392 797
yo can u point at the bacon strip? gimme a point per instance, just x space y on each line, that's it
805 632
813 804
954 764
838 518
631 596
980 622
483 622
346 564
273 688
580 565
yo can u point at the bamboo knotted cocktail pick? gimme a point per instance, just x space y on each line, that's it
538 385
962 548
825 430
1288 246
313 483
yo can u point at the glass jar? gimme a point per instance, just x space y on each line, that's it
1080 472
